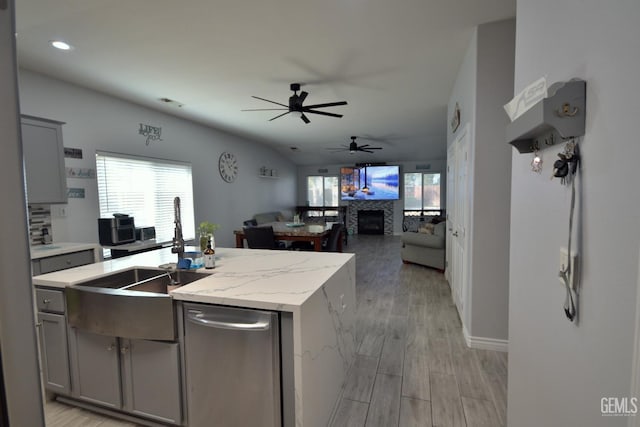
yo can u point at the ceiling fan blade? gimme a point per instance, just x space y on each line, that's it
268 100
364 146
365 151
265 109
303 95
374 148
322 113
304 118
279 116
337 149
329 104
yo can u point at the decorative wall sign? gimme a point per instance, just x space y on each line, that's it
151 132
455 120
73 153
75 193
81 173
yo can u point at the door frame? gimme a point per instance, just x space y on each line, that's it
20 366
635 367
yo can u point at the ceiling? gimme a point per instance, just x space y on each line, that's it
394 62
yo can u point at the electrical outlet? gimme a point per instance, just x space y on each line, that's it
564 261
59 211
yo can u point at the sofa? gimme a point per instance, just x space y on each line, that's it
266 217
424 248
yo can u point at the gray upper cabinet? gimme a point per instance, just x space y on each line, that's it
43 152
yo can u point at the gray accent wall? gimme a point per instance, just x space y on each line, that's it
483 86
558 370
95 121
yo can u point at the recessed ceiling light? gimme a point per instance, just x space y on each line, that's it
59 44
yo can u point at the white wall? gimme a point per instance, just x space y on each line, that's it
437 166
483 85
95 121
558 371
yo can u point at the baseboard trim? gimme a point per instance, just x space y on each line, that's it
482 343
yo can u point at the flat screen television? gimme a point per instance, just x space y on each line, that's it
370 183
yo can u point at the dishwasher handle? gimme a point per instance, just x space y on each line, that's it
200 318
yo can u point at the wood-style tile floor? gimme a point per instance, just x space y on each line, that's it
412 367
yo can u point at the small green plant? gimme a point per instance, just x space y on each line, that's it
206 229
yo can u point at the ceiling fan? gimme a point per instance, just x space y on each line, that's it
295 105
354 147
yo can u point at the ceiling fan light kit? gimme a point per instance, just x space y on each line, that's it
296 107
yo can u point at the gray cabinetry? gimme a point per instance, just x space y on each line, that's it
61 262
52 335
136 376
96 368
53 352
43 152
151 379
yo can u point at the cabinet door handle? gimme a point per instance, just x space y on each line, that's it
124 350
39 324
111 347
46 301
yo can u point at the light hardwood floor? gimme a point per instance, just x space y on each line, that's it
412 367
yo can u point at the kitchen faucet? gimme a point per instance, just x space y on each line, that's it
178 240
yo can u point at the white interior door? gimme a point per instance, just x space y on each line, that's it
451 191
460 221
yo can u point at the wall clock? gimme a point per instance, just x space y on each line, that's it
228 166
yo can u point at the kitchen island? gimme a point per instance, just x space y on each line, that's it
317 289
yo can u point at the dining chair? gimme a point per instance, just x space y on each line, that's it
332 241
260 238
250 223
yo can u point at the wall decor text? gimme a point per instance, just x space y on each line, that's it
75 193
73 153
151 132
81 172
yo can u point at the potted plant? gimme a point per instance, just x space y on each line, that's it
205 231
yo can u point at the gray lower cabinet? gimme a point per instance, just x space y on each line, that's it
54 355
96 368
52 339
136 376
43 152
151 379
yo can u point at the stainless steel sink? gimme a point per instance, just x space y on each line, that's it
130 304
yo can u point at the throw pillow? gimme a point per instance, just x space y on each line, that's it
426 228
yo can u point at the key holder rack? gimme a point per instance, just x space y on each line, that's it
558 117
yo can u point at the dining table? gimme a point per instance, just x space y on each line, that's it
297 232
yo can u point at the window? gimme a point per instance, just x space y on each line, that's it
322 190
145 188
421 193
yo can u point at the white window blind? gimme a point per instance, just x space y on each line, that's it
145 188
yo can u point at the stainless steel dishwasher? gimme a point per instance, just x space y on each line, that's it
232 358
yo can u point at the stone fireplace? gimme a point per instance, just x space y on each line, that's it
356 207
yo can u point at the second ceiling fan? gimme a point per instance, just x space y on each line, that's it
296 105
353 147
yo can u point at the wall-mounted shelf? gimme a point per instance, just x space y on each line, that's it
558 117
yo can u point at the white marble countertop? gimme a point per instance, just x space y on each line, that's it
266 279
61 248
